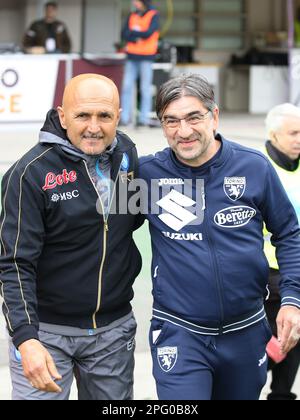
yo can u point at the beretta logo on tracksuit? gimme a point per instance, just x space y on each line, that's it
233 217
52 180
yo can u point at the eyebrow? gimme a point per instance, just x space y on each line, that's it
190 114
106 114
99 114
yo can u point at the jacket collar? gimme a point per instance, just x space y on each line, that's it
281 159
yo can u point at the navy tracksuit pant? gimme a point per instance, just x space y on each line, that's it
190 366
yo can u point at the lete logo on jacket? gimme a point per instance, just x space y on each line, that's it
52 180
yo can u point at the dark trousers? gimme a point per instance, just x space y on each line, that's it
190 366
284 373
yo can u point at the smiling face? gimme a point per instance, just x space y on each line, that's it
90 113
193 143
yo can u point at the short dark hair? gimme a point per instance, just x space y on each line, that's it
51 4
185 85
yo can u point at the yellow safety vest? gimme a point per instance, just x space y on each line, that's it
291 184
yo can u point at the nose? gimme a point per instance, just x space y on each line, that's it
94 126
184 130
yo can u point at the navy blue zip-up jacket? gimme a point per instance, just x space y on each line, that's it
209 269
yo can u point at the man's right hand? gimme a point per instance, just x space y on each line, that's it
39 367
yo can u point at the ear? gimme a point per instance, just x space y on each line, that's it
119 115
216 118
272 136
61 115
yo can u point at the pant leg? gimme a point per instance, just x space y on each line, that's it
128 89
181 365
21 388
104 364
146 78
241 372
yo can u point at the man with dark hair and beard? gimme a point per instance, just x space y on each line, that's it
207 200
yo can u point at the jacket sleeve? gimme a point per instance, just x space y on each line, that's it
29 39
63 39
282 222
126 33
22 235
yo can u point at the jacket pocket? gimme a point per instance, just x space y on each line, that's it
157 332
267 329
156 278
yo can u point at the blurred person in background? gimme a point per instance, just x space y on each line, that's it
47 35
283 150
141 34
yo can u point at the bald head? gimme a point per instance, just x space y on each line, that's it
90 85
90 112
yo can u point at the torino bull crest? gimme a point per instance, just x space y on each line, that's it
167 357
234 187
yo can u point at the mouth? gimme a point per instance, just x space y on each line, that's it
187 143
92 138
296 150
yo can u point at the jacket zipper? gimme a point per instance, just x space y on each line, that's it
215 264
105 233
216 271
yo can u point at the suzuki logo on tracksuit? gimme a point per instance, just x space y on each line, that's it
175 205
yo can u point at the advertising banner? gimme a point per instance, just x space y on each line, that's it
27 87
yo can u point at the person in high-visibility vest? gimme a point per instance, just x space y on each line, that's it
141 33
283 150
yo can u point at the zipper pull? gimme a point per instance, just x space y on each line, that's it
106 226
